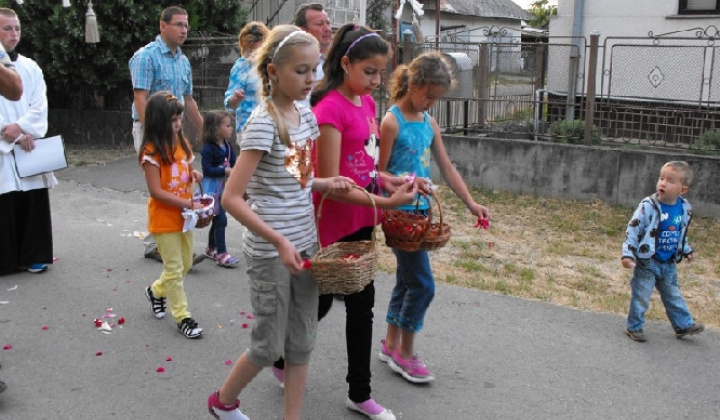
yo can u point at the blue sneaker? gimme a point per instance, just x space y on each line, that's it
37 268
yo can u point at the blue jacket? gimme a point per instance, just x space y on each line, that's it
642 230
213 165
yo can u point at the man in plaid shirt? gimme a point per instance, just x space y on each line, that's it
161 65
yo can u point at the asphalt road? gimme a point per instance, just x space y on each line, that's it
494 357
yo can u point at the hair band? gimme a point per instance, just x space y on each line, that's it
358 40
284 40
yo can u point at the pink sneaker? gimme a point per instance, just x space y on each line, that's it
413 370
385 354
222 411
371 409
280 375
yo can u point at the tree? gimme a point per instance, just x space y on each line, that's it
377 15
541 10
81 75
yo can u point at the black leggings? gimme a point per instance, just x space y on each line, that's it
358 330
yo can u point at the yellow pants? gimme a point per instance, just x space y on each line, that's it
176 249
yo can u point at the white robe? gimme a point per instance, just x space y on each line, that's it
31 114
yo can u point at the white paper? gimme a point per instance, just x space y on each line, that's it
48 156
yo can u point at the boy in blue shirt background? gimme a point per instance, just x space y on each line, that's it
656 241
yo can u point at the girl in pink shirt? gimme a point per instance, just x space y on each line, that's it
348 146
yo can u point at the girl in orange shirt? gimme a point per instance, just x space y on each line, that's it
166 158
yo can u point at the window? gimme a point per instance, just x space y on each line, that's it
699 7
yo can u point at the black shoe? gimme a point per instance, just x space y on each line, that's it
691 330
154 254
190 328
198 258
157 304
638 335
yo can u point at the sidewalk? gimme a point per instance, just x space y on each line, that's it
494 357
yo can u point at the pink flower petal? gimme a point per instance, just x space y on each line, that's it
160 369
244 325
121 321
98 353
7 347
250 316
228 362
169 359
45 328
242 312
109 309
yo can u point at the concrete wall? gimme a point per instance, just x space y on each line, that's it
577 172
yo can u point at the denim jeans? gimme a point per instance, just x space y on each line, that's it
413 292
216 237
649 273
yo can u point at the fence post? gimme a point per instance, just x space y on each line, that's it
539 69
482 82
591 75
407 47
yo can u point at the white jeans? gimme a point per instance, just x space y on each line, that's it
137 133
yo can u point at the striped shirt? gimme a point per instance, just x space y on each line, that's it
155 68
279 190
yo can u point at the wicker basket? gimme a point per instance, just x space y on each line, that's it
345 267
205 215
413 231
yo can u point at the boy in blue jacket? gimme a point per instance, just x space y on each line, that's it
656 241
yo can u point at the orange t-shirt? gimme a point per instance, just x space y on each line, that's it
175 178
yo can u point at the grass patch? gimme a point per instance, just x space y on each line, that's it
564 252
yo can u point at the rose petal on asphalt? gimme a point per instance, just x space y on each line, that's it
7 347
121 321
169 359
98 353
45 328
228 362
250 316
160 369
244 325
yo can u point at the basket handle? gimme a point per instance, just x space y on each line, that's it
202 193
436 200
319 214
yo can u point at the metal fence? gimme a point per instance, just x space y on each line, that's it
656 91
211 59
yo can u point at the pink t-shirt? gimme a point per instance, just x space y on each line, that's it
359 151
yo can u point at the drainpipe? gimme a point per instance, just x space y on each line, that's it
575 54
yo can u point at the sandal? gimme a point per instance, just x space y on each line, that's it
211 253
226 260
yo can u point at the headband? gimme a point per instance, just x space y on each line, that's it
284 40
358 40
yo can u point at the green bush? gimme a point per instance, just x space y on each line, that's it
572 132
710 140
80 75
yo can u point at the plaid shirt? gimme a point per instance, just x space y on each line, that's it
154 68
243 76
